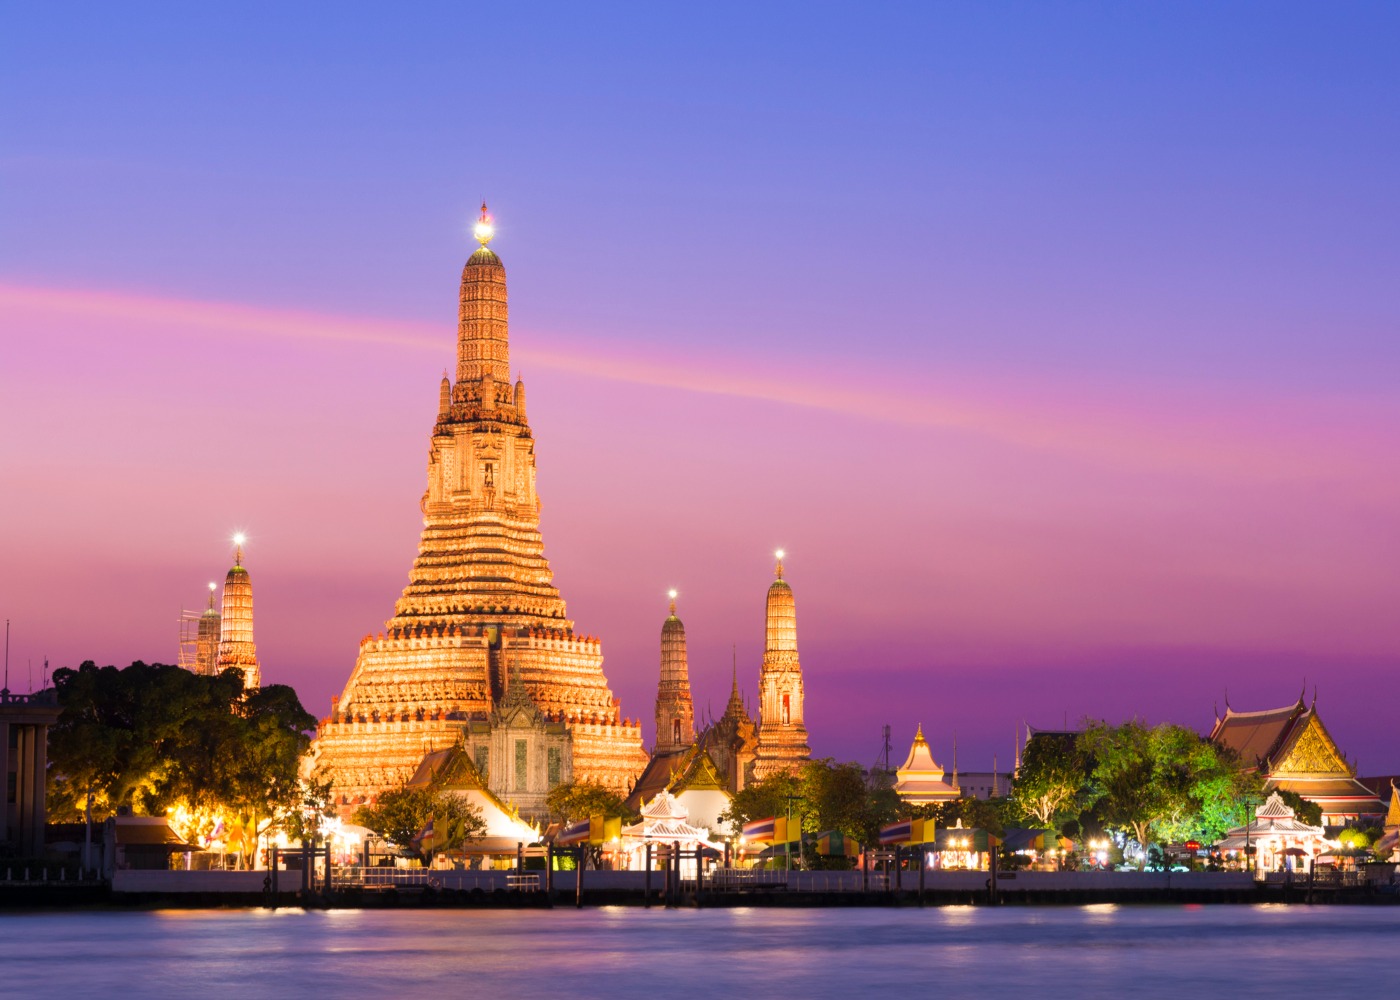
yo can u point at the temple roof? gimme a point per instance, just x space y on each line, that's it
665 806
1258 737
920 778
484 255
920 762
655 778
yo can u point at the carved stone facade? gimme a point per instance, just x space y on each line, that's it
521 753
782 736
480 608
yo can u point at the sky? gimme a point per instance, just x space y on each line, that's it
1057 344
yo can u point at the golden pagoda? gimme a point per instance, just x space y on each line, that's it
782 738
236 648
480 611
920 780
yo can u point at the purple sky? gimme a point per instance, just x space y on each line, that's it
1057 344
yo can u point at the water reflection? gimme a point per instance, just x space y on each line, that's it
622 953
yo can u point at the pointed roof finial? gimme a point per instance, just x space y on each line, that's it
672 595
238 541
919 735
780 553
212 587
484 230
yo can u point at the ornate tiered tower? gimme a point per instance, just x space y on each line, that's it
675 713
207 638
782 738
480 609
236 649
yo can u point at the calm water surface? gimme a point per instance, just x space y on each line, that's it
1089 951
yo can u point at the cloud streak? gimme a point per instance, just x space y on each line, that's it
1258 438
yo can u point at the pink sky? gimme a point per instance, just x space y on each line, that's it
968 551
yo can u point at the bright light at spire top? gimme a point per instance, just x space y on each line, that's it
239 538
484 230
671 594
780 553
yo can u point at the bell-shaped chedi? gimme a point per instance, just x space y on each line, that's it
480 610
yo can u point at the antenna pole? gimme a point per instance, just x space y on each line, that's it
7 654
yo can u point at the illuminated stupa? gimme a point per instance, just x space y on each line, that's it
480 611
782 737
675 711
209 631
236 648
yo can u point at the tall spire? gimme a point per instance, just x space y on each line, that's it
236 648
675 712
483 347
782 736
207 637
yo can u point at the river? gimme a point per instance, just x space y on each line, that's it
1105 950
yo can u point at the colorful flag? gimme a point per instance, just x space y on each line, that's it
896 833
602 829
759 830
573 833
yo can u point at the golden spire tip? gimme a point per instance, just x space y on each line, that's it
484 229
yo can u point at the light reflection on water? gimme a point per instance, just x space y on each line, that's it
622 953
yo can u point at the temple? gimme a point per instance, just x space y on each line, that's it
480 613
1292 750
920 780
782 738
236 648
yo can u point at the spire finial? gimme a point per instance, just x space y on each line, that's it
779 570
919 736
484 230
672 595
212 587
238 541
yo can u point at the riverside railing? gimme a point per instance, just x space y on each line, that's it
461 880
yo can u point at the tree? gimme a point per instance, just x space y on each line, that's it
400 816
305 820
823 795
1303 810
1122 776
1051 779
1164 783
772 796
579 800
157 737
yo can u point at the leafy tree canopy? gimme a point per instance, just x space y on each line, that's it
1164 783
1052 780
579 800
401 815
822 795
152 736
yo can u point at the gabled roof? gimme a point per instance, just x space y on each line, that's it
1257 737
655 777
1274 808
689 769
